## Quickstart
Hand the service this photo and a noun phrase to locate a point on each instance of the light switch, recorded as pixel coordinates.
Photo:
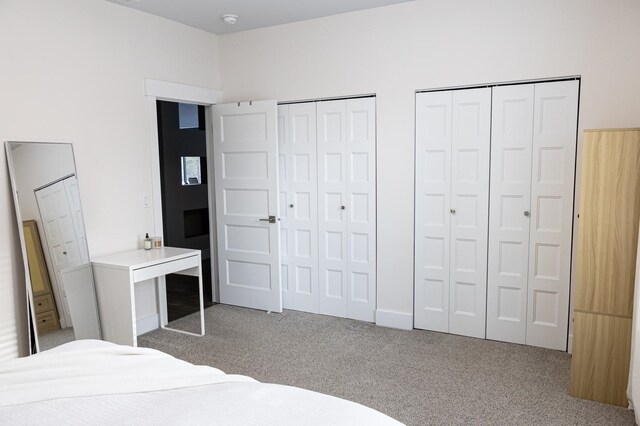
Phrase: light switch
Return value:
(145, 201)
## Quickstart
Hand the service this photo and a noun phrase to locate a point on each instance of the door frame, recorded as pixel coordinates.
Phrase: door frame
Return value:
(157, 90)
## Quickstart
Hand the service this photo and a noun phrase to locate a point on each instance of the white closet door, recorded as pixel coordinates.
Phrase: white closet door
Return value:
(510, 195)
(332, 200)
(361, 207)
(245, 153)
(303, 207)
(471, 134)
(284, 176)
(433, 187)
(554, 149)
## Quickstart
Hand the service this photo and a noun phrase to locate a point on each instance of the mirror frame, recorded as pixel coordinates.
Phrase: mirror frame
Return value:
(34, 344)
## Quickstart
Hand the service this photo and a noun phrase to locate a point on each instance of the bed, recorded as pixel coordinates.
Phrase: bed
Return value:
(95, 382)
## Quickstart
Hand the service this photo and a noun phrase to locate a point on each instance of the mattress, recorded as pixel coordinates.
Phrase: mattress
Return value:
(95, 382)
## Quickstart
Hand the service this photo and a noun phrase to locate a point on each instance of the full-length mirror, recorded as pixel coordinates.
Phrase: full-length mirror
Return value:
(60, 284)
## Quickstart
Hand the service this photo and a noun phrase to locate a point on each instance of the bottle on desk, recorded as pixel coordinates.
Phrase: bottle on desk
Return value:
(147, 242)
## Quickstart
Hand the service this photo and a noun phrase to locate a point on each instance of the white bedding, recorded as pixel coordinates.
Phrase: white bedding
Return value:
(93, 382)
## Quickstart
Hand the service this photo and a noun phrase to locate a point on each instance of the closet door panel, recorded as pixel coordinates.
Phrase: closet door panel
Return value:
(361, 208)
(471, 133)
(510, 195)
(332, 200)
(553, 172)
(432, 221)
(303, 206)
(284, 173)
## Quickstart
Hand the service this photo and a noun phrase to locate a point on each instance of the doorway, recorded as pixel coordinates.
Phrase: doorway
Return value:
(182, 147)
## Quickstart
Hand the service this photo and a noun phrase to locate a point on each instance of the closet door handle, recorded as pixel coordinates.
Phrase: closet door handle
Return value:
(342, 207)
(453, 211)
(270, 219)
(291, 205)
(526, 213)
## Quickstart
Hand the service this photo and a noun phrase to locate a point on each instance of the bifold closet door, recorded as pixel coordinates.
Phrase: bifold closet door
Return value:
(298, 206)
(346, 202)
(452, 180)
(555, 121)
(530, 226)
(511, 142)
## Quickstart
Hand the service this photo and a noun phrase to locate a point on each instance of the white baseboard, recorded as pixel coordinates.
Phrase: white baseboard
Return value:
(394, 319)
(146, 324)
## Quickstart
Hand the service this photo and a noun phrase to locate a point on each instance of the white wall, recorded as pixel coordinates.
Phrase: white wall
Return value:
(393, 51)
(73, 71)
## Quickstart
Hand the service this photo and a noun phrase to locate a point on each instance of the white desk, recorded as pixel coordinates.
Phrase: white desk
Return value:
(116, 275)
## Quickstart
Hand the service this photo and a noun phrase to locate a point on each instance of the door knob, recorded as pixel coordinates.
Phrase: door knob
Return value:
(64, 252)
(291, 205)
(526, 213)
(453, 211)
(342, 207)
(270, 219)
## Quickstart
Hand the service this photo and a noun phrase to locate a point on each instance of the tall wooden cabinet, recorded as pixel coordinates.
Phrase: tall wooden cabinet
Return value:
(43, 301)
(607, 247)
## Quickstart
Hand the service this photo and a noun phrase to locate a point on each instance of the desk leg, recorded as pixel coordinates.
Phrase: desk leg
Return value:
(192, 272)
(161, 287)
(201, 297)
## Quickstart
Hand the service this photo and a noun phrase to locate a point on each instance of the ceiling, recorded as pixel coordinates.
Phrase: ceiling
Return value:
(207, 14)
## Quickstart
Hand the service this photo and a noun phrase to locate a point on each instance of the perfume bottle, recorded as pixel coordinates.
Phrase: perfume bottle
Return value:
(147, 242)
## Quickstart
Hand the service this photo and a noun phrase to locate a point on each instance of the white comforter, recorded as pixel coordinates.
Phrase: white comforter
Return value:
(93, 382)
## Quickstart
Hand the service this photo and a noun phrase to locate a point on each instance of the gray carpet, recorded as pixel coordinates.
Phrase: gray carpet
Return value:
(55, 338)
(417, 377)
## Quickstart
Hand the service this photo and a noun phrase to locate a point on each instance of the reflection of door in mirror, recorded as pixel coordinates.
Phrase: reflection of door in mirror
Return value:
(43, 302)
(62, 234)
(43, 176)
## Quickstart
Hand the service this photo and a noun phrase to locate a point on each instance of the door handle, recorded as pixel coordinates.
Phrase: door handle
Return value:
(453, 211)
(270, 219)
(64, 252)
(526, 213)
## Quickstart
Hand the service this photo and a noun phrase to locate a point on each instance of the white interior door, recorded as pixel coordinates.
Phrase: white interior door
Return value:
(332, 200)
(62, 242)
(245, 155)
(471, 138)
(554, 148)
(433, 193)
(510, 195)
(361, 207)
(299, 205)
(73, 195)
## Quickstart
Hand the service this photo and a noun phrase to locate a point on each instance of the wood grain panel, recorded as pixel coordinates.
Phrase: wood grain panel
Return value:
(601, 354)
(609, 213)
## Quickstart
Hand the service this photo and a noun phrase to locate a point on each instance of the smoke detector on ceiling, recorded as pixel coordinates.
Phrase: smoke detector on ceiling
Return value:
(230, 19)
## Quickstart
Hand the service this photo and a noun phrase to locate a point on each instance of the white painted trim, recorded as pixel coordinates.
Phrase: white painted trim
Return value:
(147, 324)
(177, 92)
(401, 320)
(167, 91)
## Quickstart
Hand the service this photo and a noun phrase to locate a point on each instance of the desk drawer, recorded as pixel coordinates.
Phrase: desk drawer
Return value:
(162, 269)
(43, 303)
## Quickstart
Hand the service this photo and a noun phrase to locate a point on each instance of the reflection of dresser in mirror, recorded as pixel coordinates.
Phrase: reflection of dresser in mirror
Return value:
(43, 302)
